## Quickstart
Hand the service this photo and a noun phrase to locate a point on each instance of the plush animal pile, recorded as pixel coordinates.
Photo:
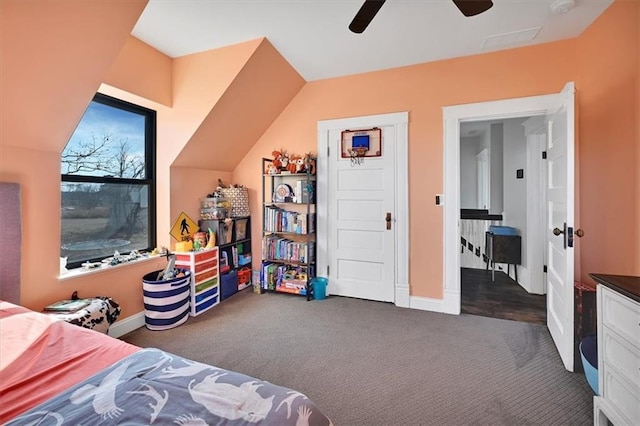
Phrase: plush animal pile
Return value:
(283, 162)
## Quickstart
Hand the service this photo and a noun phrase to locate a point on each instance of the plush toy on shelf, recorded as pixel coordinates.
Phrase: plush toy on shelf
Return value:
(310, 162)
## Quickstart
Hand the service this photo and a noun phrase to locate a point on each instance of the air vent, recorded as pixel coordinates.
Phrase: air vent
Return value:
(506, 39)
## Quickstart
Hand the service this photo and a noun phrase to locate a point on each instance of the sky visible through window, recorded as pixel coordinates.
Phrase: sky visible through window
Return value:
(100, 121)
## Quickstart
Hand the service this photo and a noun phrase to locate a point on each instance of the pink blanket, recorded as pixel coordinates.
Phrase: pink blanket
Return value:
(41, 356)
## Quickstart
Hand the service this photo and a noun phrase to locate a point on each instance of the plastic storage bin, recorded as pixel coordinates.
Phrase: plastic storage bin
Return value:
(229, 284)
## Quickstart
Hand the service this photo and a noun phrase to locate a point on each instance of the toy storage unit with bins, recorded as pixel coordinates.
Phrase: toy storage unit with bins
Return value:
(233, 240)
(205, 284)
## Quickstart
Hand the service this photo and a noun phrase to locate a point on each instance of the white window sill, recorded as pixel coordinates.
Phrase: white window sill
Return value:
(83, 272)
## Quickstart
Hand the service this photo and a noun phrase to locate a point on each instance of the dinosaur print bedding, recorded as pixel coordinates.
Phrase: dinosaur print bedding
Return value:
(155, 387)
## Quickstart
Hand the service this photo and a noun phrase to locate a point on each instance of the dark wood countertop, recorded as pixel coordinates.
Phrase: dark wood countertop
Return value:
(624, 284)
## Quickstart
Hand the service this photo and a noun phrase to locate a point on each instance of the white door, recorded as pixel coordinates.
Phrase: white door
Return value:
(560, 217)
(361, 251)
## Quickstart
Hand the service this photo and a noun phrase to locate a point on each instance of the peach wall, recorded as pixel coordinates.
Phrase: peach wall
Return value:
(189, 186)
(142, 70)
(607, 82)
(257, 95)
(54, 56)
(422, 90)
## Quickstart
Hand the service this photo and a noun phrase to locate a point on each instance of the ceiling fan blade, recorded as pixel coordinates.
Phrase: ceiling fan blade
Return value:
(473, 7)
(364, 16)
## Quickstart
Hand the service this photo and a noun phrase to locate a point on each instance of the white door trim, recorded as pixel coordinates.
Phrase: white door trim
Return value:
(400, 120)
(452, 117)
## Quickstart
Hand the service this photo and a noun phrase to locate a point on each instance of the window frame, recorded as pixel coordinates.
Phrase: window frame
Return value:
(149, 179)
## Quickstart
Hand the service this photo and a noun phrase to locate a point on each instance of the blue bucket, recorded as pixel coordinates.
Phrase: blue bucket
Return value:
(319, 288)
(589, 353)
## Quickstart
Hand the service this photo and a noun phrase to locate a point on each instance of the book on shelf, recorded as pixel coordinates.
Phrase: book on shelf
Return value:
(305, 191)
(277, 219)
(68, 305)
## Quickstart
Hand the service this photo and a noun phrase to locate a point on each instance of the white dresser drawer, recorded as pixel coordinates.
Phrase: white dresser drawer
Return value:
(620, 314)
(622, 357)
(618, 392)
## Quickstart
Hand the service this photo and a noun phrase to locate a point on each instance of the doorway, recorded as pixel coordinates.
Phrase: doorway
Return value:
(497, 162)
(559, 112)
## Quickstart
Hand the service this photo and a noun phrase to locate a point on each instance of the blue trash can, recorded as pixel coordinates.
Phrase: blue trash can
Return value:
(589, 354)
(319, 288)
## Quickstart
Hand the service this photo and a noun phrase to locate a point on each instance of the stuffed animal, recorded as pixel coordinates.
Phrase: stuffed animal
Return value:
(272, 169)
(310, 161)
(293, 163)
(284, 162)
(300, 165)
(277, 159)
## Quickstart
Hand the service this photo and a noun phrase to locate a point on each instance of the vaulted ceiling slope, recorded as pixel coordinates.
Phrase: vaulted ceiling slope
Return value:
(54, 57)
(265, 84)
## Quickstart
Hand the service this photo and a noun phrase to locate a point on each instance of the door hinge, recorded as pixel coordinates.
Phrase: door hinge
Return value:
(544, 268)
(327, 270)
(544, 155)
(327, 150)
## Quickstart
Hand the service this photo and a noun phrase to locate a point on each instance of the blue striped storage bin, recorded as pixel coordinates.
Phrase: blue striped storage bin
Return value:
(166, 302)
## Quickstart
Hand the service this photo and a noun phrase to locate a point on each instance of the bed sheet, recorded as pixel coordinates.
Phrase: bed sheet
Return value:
(41, 356)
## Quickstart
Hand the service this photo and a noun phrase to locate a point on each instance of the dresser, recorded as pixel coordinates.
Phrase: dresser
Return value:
(618, 311)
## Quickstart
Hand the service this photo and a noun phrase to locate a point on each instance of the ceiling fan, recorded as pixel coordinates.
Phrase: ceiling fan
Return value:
(371, 7)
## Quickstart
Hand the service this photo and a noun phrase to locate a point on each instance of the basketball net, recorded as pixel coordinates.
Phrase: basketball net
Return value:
(357, 156)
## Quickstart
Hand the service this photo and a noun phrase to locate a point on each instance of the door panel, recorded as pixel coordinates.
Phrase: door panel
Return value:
(361, 251)
(560, 214)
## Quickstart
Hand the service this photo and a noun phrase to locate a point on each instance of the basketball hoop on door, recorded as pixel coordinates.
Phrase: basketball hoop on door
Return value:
(358, 144)
(357, 155)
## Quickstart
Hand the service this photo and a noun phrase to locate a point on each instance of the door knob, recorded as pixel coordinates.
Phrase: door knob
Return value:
(557, 231)
(579, 233)
(388, 219)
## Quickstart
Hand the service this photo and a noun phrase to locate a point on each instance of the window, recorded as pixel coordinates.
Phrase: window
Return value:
(108, 182)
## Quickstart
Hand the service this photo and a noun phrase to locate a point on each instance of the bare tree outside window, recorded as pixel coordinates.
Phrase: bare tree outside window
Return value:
(108, 182)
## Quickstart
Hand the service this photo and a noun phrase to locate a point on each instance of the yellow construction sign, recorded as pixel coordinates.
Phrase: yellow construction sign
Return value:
(184, 228)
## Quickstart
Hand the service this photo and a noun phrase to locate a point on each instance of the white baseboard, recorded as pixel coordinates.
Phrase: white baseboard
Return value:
(402, 298)
(127, 325)
(426, 304)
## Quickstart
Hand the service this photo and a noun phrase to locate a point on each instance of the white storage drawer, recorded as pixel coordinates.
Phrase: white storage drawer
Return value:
(621, 356)
(620, 394)
(622, 315)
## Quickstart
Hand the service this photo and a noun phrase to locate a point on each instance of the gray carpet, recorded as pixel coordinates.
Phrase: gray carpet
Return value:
(371, 363)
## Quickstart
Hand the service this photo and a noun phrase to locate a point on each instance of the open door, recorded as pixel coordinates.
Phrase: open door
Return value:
(560, 218)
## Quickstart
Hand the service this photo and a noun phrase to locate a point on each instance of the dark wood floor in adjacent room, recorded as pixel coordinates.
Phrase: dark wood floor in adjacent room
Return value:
(502, 298)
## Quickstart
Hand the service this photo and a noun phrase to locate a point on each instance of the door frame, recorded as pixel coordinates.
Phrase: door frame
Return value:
(400, 121)
(452, 117)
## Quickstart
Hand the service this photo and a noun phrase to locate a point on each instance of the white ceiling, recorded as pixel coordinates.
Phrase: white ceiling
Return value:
(313, 35)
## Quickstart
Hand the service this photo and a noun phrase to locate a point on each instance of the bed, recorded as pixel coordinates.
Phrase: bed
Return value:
(52, 372)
